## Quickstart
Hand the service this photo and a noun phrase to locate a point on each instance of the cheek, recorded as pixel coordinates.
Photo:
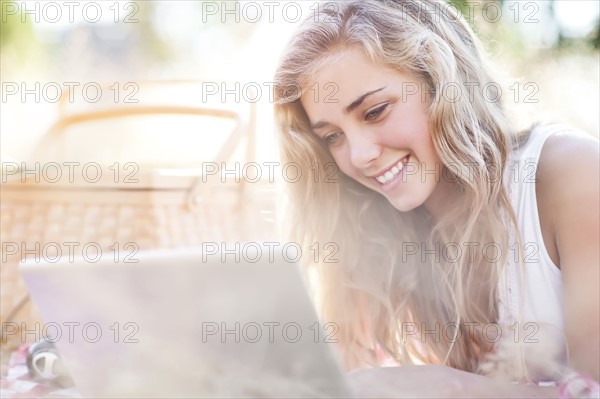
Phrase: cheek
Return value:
(411, 137)
(423, 144)
(411, 131)
(341, 156)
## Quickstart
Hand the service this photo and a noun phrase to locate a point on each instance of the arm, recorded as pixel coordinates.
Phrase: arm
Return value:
(433, 381)
(569, 178)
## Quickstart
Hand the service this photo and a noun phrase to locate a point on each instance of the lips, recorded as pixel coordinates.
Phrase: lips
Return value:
(390, 174)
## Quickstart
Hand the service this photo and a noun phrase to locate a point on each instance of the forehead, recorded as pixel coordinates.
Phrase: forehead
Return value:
(343, 68)
(346, 75)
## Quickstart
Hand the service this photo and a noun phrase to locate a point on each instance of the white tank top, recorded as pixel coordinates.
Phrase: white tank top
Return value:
(531, 306)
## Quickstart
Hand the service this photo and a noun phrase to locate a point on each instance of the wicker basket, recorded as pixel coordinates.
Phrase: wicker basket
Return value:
(158, 207)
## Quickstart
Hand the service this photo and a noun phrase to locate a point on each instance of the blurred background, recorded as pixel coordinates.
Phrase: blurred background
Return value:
(545, 53)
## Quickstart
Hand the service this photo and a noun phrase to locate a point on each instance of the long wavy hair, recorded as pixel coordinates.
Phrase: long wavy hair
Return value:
(430, 307)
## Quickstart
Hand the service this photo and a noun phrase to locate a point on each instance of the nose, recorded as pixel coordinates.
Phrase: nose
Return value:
(364, 149)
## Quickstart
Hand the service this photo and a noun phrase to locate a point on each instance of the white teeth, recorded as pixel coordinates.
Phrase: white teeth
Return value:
(390, 174)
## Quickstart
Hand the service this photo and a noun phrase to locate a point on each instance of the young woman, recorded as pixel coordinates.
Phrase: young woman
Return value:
(457, 247)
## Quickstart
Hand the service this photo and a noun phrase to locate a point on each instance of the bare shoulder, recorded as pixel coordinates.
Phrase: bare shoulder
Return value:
(569, 164)
(568, 178)
(583, 147)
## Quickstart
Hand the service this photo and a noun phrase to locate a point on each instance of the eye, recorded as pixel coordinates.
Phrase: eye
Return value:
(332, 138)
(376, 112)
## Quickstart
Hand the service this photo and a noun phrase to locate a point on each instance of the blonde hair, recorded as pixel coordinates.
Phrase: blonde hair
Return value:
(368, 287)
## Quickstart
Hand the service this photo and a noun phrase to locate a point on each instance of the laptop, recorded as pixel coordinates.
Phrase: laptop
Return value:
(186, 323)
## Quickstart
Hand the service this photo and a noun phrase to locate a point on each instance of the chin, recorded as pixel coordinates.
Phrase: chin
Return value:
(403, 205)
(409, 202)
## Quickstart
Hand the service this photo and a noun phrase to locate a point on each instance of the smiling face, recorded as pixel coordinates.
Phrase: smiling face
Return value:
(377, 133)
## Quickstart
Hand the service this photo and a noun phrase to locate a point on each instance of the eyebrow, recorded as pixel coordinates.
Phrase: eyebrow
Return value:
(355, 104)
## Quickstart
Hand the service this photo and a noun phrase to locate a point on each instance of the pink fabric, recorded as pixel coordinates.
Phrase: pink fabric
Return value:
(17, 383)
